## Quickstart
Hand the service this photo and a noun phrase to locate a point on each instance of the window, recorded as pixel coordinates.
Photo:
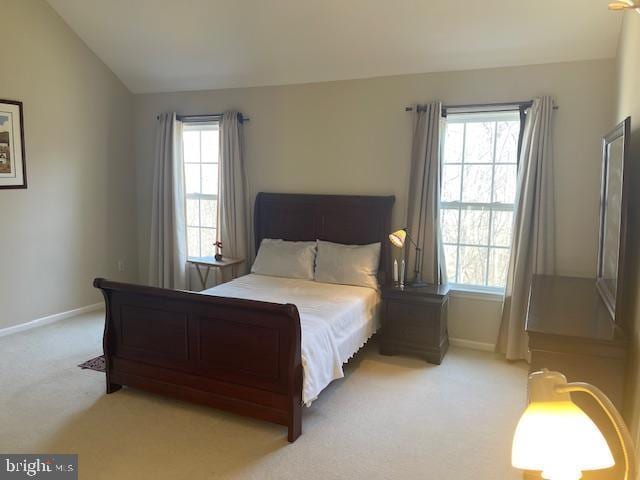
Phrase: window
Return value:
(479, 173)
(200, 149)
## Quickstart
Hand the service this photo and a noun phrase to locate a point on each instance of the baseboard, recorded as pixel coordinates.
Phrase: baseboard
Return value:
(56, 317)
(461, 342)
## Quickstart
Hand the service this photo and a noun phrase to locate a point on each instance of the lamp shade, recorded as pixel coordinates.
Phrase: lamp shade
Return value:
(618, 5)
(559, 439)
(622, 5)
(398, 237)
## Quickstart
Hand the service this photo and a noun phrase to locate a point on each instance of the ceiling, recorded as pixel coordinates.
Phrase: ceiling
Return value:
(169, 45)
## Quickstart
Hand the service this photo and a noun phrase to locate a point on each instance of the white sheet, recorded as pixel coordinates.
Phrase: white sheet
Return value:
(336, 320)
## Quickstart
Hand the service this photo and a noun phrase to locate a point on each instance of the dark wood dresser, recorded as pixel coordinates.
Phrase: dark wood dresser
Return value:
(571, 331)
(414, 322)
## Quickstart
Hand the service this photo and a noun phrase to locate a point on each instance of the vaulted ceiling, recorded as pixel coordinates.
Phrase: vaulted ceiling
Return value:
(170, 45)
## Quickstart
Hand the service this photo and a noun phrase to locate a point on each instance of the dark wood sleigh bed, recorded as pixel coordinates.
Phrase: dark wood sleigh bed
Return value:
(238, 355)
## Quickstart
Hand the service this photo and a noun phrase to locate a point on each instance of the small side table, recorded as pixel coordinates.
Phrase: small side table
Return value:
(207, 263)
(414, 322)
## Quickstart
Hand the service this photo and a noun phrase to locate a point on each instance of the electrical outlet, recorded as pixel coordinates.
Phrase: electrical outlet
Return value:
(121, 265)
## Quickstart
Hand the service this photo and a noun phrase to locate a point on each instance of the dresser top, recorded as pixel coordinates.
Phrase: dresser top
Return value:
(570, 307)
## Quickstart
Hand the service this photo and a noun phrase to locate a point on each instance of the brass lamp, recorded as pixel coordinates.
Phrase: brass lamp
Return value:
(556, 437)
(398, 239)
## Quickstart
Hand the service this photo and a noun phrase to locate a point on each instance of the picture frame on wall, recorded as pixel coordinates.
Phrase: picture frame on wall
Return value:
(13, 166)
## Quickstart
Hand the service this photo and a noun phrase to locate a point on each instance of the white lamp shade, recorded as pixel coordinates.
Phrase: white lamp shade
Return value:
(618, 5)
(621, 5)
(398, 237)
(559, 439)
(624, 5)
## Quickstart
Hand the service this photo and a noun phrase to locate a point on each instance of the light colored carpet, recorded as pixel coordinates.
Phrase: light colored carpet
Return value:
(391, 417)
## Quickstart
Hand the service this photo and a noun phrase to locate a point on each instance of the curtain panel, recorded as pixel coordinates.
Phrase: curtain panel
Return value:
(234, 213)
(423, 215)
(168, 245)
(533, 245)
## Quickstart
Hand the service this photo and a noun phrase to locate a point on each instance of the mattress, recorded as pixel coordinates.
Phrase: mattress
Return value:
(336, 320)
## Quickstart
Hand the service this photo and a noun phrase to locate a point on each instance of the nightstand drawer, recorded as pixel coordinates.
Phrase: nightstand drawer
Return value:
(408, 321)
(412, 312)
(407, 331)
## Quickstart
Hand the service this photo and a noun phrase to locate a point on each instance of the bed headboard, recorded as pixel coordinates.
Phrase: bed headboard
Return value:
(349, 219)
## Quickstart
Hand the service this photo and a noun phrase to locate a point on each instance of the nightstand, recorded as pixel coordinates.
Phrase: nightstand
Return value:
(414, 322)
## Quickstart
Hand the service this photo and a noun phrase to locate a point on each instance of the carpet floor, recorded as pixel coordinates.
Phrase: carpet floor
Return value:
(389, 418)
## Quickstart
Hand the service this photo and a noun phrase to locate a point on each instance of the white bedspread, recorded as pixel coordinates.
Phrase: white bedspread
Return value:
(336, 320)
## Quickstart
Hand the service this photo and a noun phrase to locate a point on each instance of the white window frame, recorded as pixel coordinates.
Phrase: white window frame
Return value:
(215, 125)
(493, 116)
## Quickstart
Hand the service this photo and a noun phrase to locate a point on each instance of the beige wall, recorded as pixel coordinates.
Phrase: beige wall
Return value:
(355, 137)
(474, 319)
(628, 103)
(75, 220)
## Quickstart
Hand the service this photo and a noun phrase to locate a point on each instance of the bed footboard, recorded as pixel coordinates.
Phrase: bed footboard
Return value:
(237, 355)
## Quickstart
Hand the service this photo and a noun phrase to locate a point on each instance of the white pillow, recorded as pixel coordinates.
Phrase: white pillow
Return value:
(280, 258)
(347, 264)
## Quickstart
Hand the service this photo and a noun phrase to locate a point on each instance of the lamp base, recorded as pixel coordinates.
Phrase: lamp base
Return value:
(417, 284)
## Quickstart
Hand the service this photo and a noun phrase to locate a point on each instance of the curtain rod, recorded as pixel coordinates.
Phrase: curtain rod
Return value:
(205, 117)
(480, 105)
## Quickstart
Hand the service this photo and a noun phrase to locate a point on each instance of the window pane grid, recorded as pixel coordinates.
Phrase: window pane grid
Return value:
(200, 155)
(481, 163)
(479, 205)
(493, 178)
(464, 144)
(477, 227)
(483, 245)
(202, 196)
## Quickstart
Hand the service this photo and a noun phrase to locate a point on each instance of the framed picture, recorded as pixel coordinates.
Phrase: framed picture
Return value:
(13, 167)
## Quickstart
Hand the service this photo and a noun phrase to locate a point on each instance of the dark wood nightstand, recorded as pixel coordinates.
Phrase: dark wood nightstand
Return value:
(414, 322)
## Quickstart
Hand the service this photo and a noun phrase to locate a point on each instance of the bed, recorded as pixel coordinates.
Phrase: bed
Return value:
(336, 321)
(239, 347)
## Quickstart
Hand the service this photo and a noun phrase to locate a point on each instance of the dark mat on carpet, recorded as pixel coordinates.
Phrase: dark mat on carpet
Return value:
(96, 364)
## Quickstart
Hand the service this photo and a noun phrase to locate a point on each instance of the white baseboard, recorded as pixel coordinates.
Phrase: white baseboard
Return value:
(56, 317)
(460, 342)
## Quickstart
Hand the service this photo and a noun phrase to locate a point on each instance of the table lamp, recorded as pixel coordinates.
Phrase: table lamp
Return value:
(398, 238)
(557, 437)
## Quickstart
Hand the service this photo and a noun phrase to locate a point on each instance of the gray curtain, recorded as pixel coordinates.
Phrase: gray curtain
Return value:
(168, 246)
(423, 216)
(533, 246)
(233, 205)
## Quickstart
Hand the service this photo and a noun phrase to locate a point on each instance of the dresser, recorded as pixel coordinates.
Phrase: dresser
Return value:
(571, 331)
(414, 322)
